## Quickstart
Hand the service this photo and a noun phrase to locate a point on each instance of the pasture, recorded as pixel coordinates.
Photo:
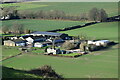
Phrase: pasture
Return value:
(9, 51)
(100, 64)
(72, 8)
(42, 25)
(23, 6)
(107, 30)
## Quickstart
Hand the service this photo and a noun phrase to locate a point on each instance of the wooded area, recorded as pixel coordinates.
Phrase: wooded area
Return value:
(94, 14)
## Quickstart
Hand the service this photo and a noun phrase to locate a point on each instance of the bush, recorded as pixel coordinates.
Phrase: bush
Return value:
(105, 45)
(46, 71)
(92, 47)
(68, 45)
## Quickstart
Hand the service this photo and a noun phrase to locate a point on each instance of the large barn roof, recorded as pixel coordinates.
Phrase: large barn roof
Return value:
(47, 33)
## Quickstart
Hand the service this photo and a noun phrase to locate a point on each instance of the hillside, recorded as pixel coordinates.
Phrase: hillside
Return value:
(72, 8)
(107, 30)
(42, 25)
(97, 64)
(12, 73)
(100, 64)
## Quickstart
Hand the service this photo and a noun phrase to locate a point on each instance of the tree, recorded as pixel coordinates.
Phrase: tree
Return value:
(68, 45)
(27, 31)
(98, 15)
(103, 15)
(46, 71)
(18, 28)
(83, 16)
(11, 11)
(5, 29)
(83, 46)
(93, 14)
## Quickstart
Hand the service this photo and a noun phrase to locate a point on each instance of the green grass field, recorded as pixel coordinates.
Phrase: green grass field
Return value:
(9, 51)
(74, 8)
(100, 64)
(107, 30)
(71, 54)
(42, 25)
(22, 6)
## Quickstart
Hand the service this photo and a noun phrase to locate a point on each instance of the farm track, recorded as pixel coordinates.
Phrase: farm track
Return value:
(11, 56)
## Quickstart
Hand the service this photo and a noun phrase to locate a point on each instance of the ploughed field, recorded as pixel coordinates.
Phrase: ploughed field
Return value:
(73, 8)
(98, 64)
(42, 25)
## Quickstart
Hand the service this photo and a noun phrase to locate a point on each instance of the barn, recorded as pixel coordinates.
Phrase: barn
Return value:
(49, 34)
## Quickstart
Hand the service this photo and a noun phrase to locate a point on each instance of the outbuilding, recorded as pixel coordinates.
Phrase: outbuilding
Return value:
(42, 44)
(9, 43)
(16, 42)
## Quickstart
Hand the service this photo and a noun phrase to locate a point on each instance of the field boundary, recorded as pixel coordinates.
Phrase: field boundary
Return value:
(74, 27)
(11, 57)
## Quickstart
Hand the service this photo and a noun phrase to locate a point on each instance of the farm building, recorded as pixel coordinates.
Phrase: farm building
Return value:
(99, 42)
(49, 34)
(42, 44)
(53, 51)
(35, 39)
(17, 42)
(9, 43)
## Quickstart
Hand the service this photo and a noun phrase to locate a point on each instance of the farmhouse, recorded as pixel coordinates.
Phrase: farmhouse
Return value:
(49, 34)
(9, 43)
(53, 51)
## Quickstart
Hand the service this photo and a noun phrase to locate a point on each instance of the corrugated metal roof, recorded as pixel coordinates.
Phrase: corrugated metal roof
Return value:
(47, 33)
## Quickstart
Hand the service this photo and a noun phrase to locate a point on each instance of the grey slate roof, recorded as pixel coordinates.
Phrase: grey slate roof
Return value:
(47, 33)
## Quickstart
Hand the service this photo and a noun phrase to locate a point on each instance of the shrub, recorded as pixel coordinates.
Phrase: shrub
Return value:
(105, 45)
(92, 47)
(46, 71)
(68, 45)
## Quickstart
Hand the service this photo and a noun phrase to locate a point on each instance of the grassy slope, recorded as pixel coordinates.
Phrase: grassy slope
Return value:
(23, 6)
(42, 25)
(11, 73)
(9, 51)
(100, 64)
(107, 30)
(69, 7)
